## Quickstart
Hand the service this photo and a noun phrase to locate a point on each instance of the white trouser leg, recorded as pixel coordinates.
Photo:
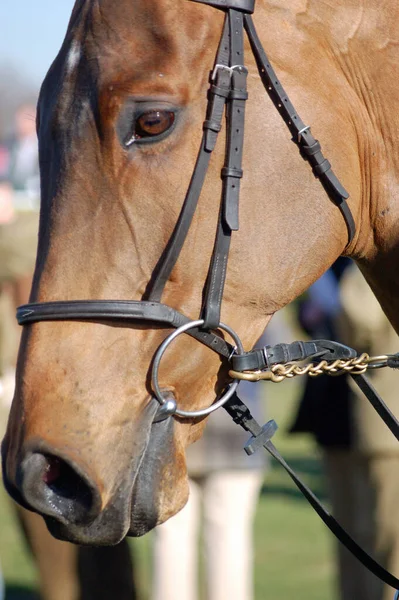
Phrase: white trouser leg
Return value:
(230, 500)
(176, 552)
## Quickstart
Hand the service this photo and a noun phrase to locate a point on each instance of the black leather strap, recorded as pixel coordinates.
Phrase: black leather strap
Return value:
(245, 6)
(130, 311)
(231, 172)
(261, 436)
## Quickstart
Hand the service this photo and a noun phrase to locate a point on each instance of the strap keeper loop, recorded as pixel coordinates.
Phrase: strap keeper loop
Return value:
(322, 168)
(231, 172)
(219, 91)
(311, 150)
(212, 125)
(238, 95)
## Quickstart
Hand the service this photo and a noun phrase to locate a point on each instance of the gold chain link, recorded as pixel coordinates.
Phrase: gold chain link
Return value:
(279, 372)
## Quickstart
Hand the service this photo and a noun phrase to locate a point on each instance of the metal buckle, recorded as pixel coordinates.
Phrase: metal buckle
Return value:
(226, 68)
(302, 131)
(165, 412)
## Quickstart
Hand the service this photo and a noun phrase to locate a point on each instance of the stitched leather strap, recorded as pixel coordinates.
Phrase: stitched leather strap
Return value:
(264, 358)
(129, 311)
(231, 172)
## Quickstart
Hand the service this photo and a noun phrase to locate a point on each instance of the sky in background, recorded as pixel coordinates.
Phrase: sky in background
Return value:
(31, 33)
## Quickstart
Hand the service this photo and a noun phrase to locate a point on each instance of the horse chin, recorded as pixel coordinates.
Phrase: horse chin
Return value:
(161, 486)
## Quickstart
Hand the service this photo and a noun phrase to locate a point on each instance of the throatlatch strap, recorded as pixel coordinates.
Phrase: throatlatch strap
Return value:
(309, 147)
(261, 436)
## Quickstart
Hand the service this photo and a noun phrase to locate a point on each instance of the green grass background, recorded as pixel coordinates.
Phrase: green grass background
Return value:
(293, 549)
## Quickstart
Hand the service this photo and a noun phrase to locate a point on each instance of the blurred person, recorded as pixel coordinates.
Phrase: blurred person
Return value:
(366, 479)
(360, 454)
(225, 485)
(19, 205)
(327, 419)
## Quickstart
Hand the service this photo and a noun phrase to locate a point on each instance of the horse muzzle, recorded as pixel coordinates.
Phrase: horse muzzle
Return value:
(70, 497)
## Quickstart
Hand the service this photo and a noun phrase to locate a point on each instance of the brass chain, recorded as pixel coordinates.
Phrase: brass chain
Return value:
(279, 372)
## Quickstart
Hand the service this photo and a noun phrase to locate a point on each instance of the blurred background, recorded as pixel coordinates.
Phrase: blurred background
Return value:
(294, 556)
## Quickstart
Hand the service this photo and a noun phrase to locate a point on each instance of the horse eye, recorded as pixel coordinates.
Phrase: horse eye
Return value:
(151, 124)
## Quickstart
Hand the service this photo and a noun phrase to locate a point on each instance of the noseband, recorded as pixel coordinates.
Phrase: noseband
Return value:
(227, 94)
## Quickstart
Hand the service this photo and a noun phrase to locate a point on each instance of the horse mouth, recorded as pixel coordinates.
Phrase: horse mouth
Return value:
(134, 508)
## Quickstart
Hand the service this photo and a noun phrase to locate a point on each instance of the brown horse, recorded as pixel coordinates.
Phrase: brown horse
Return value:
(119, 121)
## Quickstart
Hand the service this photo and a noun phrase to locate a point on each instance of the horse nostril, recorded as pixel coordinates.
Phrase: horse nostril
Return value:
(58, 489)
(53, 470)
(66, 483)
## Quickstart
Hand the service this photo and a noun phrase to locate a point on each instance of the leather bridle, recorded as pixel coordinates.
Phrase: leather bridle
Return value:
(228, 93)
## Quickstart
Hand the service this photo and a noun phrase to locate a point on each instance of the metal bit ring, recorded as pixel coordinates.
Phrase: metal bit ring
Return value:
(157, 360)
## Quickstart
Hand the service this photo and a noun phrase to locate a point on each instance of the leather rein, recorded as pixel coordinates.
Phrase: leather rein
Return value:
(227, 95)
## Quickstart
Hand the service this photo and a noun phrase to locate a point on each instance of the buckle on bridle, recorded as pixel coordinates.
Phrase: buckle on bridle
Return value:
(226, 68)
(302, 131)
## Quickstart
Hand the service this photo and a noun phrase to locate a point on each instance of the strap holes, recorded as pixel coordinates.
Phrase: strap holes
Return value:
(237, 131)
(233, 186)
(236, 149)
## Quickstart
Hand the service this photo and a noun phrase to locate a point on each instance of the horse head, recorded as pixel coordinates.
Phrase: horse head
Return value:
(119, 122)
